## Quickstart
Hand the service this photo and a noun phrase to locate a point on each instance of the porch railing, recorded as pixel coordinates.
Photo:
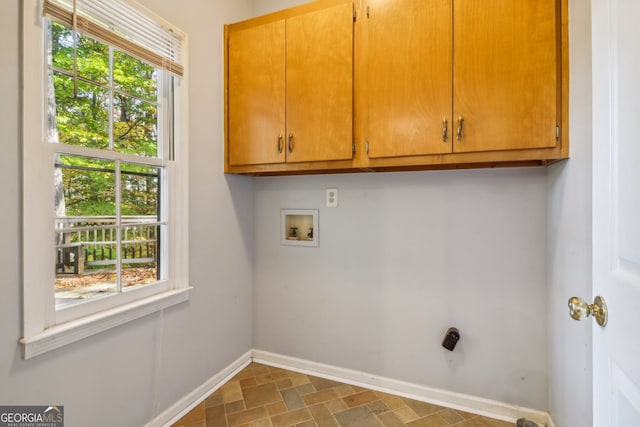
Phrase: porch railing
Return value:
(91, 242)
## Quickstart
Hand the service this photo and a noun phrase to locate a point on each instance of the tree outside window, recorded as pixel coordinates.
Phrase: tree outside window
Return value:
(108, 211)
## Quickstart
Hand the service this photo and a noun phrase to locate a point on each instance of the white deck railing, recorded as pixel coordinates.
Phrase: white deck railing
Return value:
(92, 241)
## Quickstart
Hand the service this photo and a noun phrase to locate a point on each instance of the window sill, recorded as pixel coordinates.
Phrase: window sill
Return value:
(75, 330)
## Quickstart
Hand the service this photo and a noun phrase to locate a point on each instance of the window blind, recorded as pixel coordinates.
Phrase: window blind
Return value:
(125, 26)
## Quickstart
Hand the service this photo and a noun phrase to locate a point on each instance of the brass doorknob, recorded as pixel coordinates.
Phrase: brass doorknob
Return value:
(579, 309)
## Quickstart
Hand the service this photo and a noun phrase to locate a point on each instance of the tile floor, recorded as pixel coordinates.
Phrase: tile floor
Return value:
(264, 396)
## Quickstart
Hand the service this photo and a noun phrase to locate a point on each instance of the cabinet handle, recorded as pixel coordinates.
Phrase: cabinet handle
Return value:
(280, 143)
(445, 130)
(290, 143)
(459, 133)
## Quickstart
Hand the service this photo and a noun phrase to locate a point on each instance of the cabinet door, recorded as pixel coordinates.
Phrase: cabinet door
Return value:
(505, 74)
(320, 84)
(256, 84)
(409, 77)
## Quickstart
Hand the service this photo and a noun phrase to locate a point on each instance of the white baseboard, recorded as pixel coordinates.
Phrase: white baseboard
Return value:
(463, 402)
(194, 398)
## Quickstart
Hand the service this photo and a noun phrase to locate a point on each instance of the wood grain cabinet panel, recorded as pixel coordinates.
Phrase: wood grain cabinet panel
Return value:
(256, 94)
(395, 85)
(320, 84)
(505, 74)
(290, 87)
(409, 77)
(458, 76)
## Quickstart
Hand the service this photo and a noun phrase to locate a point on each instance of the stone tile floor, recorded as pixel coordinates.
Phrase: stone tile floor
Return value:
(264, 396)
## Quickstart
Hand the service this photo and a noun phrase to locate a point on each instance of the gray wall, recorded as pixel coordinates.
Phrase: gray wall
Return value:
(399, 283)
(405, 256)
(568, 260)
(261, 7)
(569, 254)
(129, 374)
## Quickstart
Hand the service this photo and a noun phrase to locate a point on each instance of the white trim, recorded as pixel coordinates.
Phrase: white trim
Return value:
(449, 399)
(75, 330)
(109, 300)
(200, 393)
(38, 299)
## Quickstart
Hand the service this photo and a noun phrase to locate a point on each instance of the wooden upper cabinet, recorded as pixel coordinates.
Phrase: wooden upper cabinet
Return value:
(320, 84)
(404, 85)
(409, 77)
(290, 87)
(457, 76)
(506, 60)
(256, 94)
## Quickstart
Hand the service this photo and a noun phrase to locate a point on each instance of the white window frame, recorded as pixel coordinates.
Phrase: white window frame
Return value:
(44, 328)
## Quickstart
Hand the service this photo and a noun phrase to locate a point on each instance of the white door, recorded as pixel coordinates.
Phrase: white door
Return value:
(616, 210)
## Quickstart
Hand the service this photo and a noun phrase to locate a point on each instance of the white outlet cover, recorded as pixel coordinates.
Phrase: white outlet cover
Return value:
(332, 197)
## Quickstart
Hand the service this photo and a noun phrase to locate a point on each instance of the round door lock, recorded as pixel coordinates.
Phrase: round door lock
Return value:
(579, 309)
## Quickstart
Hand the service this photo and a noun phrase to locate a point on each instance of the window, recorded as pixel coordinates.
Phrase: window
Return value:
(105, 179)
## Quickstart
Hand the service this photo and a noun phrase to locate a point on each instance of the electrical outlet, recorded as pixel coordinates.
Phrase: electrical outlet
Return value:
(332, 197)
